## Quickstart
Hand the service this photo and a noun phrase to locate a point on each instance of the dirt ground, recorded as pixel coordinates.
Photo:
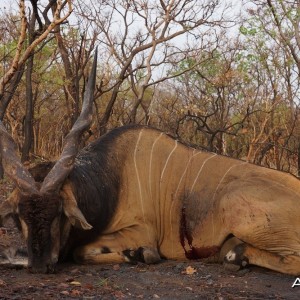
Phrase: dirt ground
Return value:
(166, 280)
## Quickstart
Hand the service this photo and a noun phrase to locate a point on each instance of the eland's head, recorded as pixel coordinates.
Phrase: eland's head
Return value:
(42, 208)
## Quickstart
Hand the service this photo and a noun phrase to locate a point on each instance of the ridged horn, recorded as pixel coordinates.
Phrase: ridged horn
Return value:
(12, 164)
(65, 163)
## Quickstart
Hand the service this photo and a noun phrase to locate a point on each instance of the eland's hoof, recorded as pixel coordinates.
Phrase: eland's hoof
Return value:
(235, 259)
(142, 254)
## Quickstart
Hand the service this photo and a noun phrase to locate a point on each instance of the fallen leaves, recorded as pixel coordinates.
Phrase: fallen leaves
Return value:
(189, 271)
(3, 231)
(63, 285)
(68, 288)
(77, 283)
(116, 267)
(2, 282)
(65, 293)
(75, 293)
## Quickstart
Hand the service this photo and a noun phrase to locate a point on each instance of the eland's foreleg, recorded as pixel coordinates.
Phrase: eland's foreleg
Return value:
(118, 247)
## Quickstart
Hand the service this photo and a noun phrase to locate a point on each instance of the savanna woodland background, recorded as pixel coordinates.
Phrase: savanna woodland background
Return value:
(223, 75)
(218, 74)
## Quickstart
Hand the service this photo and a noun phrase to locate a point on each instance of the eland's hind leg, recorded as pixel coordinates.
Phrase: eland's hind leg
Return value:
(267, 225)
(244, 254)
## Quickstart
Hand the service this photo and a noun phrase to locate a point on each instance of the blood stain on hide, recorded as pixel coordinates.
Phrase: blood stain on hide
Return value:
(193, 252)
(202, 252)
(184, 232)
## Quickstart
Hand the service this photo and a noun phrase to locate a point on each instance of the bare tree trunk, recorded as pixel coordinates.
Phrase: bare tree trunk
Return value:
(5, 99)
(28, 125)
(9, 93)
(72, 90)
(104, 120)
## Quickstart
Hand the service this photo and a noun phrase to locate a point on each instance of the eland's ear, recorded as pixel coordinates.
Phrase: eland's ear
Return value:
(76, 217)
(9, 206)
(71, 209)
(74, 214)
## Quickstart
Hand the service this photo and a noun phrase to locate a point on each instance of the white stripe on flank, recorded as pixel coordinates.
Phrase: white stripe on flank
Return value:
(164, 168)
(171, 227)
(184, 172)
(243, 163)
(150, 163)
(213, 155)
(139, 182)
(214, 195)
(175, 195)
